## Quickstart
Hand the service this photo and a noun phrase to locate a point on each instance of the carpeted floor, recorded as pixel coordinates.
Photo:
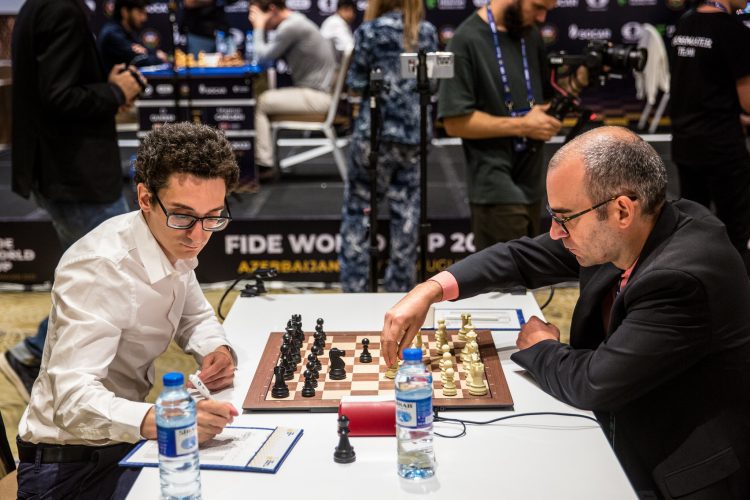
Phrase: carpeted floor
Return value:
(22, 312)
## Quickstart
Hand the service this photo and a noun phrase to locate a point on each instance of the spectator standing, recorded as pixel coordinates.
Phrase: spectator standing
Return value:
(391, 27)
(710, 89)
(64, 146)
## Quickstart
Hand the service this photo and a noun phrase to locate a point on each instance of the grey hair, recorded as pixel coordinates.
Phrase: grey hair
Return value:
(618, 162)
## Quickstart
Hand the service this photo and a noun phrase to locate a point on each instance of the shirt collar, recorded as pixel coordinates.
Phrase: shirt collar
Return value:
(155, 261)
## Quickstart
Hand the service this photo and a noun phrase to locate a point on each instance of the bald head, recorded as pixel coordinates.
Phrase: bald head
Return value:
(617, 161)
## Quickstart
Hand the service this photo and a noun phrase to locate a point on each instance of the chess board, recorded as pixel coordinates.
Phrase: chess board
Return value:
(368, 379)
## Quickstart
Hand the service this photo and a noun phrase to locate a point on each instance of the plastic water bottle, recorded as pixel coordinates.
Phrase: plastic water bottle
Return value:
(416, 459)
(250, 48)
(177, 433)
(221, 42)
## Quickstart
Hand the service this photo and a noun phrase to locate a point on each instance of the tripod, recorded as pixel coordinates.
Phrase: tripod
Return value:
(375, 87)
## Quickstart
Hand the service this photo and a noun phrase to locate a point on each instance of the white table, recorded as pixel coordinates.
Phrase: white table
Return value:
(539, 457)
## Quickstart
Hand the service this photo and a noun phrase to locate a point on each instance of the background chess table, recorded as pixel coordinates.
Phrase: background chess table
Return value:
(368, 379)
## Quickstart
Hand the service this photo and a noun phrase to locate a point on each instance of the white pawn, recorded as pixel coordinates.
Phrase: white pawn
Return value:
(440, 333)
(445, 363)
(449, 387)
(392, 370)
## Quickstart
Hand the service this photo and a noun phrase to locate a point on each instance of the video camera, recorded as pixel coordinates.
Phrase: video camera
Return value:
(603, 60)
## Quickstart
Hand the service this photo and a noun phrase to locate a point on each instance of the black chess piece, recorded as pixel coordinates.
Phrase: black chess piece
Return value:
(318, 344)
(319, 324)
(280, 390)
(344, 452)
(311, 376)
(365, 357)
(308, 390)
(314, 358)
(337, 368)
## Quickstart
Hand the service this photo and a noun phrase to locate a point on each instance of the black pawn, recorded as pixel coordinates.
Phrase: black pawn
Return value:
(318, 344)
(313, 380)
(314, 358)
(280, 390)
(344, 452)
(308, 390)
(365, 357)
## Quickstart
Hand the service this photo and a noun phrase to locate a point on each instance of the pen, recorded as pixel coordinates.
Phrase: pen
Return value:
(199, 385)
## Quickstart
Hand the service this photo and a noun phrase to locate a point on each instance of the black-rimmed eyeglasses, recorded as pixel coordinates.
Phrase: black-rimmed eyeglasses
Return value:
(564, 220)
(185, 221)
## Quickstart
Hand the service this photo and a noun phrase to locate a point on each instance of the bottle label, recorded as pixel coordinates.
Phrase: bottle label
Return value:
(414, 414)
(177, 441)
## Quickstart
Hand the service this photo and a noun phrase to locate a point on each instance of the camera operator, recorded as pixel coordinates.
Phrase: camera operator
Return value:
(710, 89)
(64, 148)
(497, 115)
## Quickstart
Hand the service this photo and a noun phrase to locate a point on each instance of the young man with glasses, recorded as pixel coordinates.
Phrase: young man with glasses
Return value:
(121, 294)
(660, 337)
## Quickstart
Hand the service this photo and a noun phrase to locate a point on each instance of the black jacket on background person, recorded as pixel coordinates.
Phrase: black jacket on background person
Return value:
(64, 138)
(669, 379)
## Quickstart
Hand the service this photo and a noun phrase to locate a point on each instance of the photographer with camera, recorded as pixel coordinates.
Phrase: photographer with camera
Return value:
(710, 89)
(391, 27)
(493, 104)
(64, 149)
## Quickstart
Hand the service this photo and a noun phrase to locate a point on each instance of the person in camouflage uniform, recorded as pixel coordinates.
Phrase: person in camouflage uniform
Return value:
(391, 27)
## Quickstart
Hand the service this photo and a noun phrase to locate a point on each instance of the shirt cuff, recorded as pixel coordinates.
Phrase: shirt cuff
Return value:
(448, 283)
(127, 417)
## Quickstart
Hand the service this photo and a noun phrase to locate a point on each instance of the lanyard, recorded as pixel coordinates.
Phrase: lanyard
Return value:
(507, 96)
(717, 5)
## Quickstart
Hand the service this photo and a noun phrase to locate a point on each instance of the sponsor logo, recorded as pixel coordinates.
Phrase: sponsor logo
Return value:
(480, 3)
(567, 4)
(299, 4)
(549, 34)
(151, 39)
(638, 3)
(576, 33)
(240, 7)
(157, 8)
(446, 33)
(164, 89)
(451, 4)
(597, 4)
(240, 89)
(631, 32)
(327, 6)
(204, 89)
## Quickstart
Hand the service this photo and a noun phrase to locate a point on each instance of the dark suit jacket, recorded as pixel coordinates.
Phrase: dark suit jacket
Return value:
(669, 379)
(64, 139)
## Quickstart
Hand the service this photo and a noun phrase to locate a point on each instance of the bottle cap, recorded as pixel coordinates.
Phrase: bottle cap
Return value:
(173, 379)
(412, 354)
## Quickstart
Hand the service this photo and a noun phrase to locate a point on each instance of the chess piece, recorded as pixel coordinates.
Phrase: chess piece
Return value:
(463, 331)
(308, 390)
(470, 336)
(344, 452)
(314, 358)
(449, 386)
(337, 370)
(319, 327)
(392, 370)
(311, 375)
(318, 344)
(476, 385)
(445, 363)
(365, 357)
(280, 390)
(311, 368)
(440, 334)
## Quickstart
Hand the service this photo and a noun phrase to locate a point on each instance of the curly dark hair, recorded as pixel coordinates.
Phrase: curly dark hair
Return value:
(185, 148)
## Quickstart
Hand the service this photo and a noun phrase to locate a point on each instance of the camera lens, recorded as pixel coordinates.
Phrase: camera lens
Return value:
(623, 57)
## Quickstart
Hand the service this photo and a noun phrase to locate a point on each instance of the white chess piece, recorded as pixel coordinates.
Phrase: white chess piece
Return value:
(445, 363)
(463, 330)
(449, 386)
(477, 386)
(392, 370)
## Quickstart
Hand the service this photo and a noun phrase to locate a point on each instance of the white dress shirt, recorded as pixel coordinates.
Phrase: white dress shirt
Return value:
(336, 29)
(117, 302)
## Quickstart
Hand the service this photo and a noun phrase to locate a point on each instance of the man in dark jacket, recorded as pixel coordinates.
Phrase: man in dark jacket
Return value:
(120, 40)
(660, 338)
(64, 146)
